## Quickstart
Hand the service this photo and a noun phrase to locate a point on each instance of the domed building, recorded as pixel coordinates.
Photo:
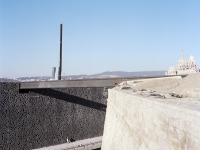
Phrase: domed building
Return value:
(182, 63)
(171, 70)
(192, 62)
(183, 66)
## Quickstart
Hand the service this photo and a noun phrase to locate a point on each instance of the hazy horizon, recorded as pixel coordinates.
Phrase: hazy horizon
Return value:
(97, 35)
(50, 74)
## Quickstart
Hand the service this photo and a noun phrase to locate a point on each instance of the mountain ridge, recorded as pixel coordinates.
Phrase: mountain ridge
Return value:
(106, 74)
(111, 74)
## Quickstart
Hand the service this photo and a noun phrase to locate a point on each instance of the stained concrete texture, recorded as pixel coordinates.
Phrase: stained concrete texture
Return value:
(141, 122)
(43, 117)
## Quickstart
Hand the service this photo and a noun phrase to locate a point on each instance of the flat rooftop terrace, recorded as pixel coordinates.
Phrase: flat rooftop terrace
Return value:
(106, 82)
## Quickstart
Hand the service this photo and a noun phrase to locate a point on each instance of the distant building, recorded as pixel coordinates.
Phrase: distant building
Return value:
(53, 73)
(183, 66)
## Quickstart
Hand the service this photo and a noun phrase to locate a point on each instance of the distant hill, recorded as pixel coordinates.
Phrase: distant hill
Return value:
(107, 74)
(130, 74)
(112, 74)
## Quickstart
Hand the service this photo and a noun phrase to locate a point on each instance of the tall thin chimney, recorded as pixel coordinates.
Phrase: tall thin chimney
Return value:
(60, 67)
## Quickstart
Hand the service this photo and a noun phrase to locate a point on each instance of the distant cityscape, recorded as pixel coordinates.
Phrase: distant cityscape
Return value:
(108, 74)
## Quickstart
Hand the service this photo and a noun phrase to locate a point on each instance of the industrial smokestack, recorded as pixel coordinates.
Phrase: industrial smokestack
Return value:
(60, 67)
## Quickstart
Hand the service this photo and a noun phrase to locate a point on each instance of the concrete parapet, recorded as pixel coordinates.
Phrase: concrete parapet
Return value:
(135, 122)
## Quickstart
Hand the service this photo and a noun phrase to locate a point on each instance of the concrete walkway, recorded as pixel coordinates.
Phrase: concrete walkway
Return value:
(87, 144)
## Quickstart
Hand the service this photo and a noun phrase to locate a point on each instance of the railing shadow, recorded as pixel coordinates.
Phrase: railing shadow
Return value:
(70, 98)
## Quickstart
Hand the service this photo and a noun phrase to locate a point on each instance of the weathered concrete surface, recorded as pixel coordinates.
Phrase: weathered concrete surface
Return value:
(134, 122)
(42, 117)
(191, 93)
(172, 85)
(86, 144)
(102, 82)
(131, 82)
(71, 83)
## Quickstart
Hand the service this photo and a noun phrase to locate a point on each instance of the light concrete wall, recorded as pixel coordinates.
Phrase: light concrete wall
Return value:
(139, 123)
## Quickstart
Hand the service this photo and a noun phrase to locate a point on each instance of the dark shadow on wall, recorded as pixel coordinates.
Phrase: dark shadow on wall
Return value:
(37, 118)
(71, 98)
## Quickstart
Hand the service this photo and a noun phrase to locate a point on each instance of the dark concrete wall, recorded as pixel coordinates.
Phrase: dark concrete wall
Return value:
(42, 117)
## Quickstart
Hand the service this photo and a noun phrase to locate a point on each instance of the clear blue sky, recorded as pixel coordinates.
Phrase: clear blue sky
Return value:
(98, 35)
